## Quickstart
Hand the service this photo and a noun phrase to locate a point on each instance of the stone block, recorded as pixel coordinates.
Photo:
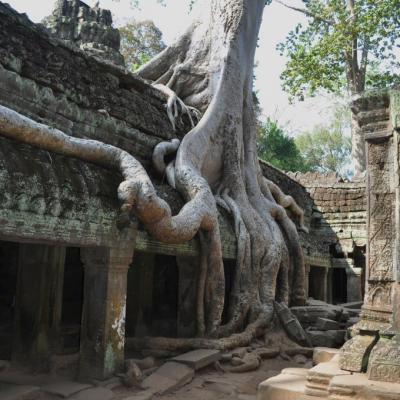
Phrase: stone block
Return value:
(198, 359)
(97, 393)
(308, 315)
(145, 395)
(324, 324)
(355, 352)
(169, 377)
(319, 377)
(330, 338)
(324, 354)
(358, 386)
(286, 386)
(65, 388)
(18, 392)
(384, 361)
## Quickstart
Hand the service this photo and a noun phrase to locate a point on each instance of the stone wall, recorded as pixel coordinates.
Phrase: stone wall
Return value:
(55, 82)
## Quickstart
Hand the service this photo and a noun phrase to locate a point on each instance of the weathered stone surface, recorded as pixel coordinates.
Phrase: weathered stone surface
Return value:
(324, 354)
(355, 353)
(65, 388)
(18, 392)
(357, 386)
(198, 359)
(324, 324)
(286, 386)
(384, 362)
(319, 377)
(145, 395)
(89, 28)
(94, 394)
(331, 338)
(308, 315)
(169, 377)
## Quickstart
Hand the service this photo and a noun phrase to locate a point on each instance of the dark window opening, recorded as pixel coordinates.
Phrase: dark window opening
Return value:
(8, 283)
(339, 286)
(72, 301)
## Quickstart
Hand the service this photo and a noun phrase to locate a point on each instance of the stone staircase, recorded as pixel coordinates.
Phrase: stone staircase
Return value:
(325, 381)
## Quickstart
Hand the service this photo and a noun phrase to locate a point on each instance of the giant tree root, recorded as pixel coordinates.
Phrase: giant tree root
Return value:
(210, 68)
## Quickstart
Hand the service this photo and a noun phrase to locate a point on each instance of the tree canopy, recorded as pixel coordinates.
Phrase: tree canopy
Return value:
(140, 42)
(346, 44)
(325, 149)
(277, 148)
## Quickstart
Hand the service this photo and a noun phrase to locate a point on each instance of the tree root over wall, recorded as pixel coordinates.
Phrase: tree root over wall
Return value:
(210, 69)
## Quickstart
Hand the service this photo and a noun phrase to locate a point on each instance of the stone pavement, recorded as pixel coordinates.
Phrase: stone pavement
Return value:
(171, 381)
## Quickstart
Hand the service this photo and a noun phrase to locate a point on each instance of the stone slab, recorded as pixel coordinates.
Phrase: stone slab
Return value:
(325, 324)
(328, 369)
(330, 338)
(358, 386)
(145, 395)
(18, 392)
(65, 388)
(282, 387)
(97, 393)
(198, 359)
(355, 353)
(295, 371)
(324, 354)
(169, 377)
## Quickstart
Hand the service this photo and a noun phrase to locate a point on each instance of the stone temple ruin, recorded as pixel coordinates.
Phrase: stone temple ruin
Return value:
(73, 285)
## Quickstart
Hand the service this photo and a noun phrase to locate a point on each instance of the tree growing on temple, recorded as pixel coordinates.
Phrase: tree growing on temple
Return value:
(207, 74)
(348, 45)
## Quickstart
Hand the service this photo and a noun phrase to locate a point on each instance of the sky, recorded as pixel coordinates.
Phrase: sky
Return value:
(175, 18)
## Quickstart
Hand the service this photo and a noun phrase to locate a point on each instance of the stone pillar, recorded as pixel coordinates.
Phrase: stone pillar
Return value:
(38, 305)
(384, 362)
(325, 284)
(307, 280)
(104, 309)
(382, 225)
(354, 284)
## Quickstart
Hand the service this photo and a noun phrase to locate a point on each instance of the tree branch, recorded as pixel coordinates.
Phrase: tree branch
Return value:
(306, 12)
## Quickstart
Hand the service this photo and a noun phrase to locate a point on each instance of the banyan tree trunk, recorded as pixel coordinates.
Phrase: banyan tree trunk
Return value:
(210, 68)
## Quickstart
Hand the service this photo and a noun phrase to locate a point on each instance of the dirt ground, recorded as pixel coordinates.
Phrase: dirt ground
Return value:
(212, 385)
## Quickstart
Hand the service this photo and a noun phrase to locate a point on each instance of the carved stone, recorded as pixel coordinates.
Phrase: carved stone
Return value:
(384, 363)
(355, 353)
(89, 28)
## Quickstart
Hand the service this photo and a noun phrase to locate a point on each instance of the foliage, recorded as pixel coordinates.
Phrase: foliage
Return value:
(140, 41)
(325, 149)
(346, 44)
(280, 150)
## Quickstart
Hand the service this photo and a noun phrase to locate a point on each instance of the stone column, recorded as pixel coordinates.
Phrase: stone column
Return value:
(104, 309)
(324, 283)
(38, 305)
(384, 363)
(307, 280)
(382, 168)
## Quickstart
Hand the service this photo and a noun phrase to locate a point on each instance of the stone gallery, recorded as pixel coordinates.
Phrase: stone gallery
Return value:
(142, 242)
